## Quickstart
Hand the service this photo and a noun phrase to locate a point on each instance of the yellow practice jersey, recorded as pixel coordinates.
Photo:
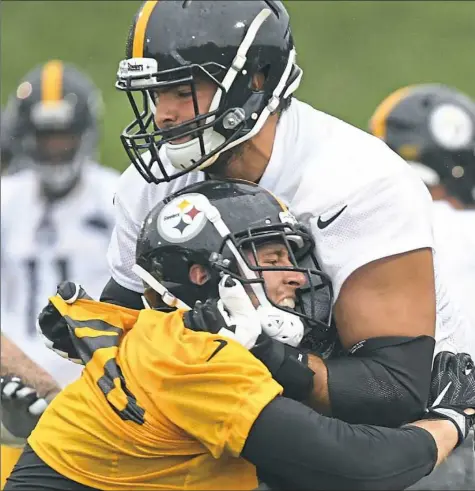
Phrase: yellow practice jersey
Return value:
(158, 406)
(8, 458)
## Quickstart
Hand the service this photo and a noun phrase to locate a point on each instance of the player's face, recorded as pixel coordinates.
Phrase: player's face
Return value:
(174, 105)
(56, 148)
(280, 286)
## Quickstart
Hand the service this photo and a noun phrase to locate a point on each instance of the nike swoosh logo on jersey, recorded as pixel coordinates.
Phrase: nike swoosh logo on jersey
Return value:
(321, 224)
(222, 344)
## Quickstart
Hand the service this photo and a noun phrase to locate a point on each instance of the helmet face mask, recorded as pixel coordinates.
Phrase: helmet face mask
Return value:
(142, 139)
(226, 235)
(249, 270)
(57, 158)
(171, 45)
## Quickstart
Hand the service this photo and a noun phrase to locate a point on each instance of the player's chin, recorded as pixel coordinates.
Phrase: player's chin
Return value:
(174, 136)
(221, 166)
(179, 141)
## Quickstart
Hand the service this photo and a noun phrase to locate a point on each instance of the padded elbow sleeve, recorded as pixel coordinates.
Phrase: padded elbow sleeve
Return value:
(383, 381)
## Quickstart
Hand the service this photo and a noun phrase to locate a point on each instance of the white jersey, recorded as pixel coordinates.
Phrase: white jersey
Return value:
(43, 245)
(321, 167)
(455, 242)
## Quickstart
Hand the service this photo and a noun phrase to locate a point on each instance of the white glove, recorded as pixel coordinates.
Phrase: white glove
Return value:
(280, 325)
(242, 321)
(232, 316)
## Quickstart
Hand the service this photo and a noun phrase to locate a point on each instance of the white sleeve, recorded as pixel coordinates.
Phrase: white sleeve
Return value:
(390, 216)
(121, 252)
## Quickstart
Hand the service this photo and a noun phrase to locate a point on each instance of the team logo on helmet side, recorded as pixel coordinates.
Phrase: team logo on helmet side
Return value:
(182, 218)
(451, 126)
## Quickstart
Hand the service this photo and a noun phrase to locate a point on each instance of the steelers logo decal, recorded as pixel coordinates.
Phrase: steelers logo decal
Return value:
(182, 218)
(451, 126)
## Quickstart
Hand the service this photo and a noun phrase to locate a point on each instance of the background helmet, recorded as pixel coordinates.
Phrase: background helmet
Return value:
(54, 117)
(224, 42)
(215, 223)
(432, 126)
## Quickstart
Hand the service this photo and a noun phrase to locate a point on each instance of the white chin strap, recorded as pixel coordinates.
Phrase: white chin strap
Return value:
(167, 297)
(183, 155)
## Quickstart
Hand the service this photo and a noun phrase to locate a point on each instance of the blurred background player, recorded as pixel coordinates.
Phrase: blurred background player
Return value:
(432, 126)
(56, 203)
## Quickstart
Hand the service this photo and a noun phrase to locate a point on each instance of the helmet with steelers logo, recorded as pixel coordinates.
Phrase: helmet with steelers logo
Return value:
(432, 126)
(220, 225)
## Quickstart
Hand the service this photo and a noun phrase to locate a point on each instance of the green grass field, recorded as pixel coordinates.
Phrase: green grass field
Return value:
(353, 52)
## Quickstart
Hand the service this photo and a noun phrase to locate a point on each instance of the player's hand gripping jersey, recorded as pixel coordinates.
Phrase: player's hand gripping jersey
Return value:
(173, 414)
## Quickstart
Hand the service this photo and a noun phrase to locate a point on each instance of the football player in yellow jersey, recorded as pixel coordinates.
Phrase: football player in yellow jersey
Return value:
(163, 405)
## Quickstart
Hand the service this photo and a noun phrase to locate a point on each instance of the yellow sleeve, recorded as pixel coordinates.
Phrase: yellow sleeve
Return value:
(217, 398)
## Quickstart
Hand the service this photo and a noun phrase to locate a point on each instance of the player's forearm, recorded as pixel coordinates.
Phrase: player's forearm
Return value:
(443, 433)
(300, 449)
(15, 362)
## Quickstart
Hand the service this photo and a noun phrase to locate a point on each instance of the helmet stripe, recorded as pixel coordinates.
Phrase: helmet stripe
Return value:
(141, 27)
(52, 81)
(279, 201)
(378, 122)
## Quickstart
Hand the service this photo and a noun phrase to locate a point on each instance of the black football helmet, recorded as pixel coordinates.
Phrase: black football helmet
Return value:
(54, 115)
(227, 43)
(216, 223)
(432, 126)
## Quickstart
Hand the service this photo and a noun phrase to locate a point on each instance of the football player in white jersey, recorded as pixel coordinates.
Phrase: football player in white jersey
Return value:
(210, 84)
(432, 126)
(57, 211)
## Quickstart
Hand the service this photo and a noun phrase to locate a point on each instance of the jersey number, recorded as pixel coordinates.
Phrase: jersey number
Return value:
(62, 268)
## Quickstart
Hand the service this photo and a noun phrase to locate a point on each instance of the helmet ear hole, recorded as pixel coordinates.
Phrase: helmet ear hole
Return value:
(258, 80)
(426, 102)
(199, 275)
